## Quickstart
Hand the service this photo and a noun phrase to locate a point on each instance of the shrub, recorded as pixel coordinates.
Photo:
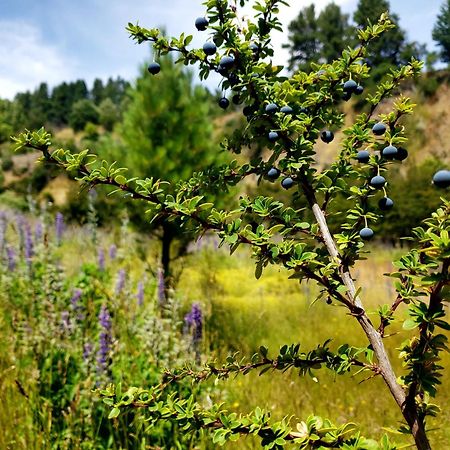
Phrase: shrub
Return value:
(290, 237)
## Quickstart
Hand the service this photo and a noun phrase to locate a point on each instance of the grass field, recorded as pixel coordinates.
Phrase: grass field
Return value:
(242, 314)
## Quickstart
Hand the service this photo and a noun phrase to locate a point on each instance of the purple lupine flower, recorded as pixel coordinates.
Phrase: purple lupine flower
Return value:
(101, 259)
(38, 231)
(76, 298)
(11, 258)
(140, 293)
(120, 283)
(59, 227)
(112, 251)
(161, 287)
(88, 348)
(28, 248)
(193, 321)
(74, 302)
(105, 339)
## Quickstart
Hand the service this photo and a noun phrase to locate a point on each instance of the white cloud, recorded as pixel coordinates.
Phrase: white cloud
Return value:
(26, 60)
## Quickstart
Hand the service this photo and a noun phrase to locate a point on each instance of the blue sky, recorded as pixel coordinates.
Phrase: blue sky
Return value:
(63, 40)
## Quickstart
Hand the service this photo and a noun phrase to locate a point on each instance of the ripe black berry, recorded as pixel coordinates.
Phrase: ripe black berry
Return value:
(201, 23)
(154, 68)
(350, 86)
(226, 62)
(363, 156)
(378, 182)
(379, 128)
(402, 154)
(224, 103)
(329, 301)
(327, 136)
(366, 233)
(236, 99)
(271, 108)
(346, 96)
(441, 178)
(287, 183)
(359, 90)
(273, 136)
(385, 203)
(209, 48)
(273, 173)
(248, 110)
(254, 47)
(389, 152)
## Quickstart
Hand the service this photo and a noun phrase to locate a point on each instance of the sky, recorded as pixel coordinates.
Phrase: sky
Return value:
(64, 40)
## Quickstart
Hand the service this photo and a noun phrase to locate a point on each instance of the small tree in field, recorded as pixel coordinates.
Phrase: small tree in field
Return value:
(292, 114)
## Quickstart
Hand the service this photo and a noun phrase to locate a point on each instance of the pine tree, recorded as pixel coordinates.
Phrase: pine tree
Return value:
(167, 132)
(334, 33)
(303, 39)
(441, 31)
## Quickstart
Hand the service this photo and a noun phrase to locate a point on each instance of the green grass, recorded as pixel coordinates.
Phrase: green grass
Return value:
(246, 313)
(243, 313)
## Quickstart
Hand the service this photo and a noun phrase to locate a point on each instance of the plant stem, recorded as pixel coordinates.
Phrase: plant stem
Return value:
(409, 409)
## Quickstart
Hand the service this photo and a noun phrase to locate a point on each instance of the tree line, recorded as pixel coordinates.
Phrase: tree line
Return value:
(67, 104)
(321, 37)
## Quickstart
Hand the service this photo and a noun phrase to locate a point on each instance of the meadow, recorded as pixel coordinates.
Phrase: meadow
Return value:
(82, 307)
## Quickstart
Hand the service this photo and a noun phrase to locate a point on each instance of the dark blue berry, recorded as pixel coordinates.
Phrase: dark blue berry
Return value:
(346, 96)
(385, 203)
(273, 136)
(287, 183)
(271, 108)
(359, 90)
(366, 233)
(378, 182)
(273, 173)
(224, 103)
(379, 128)
(254, 47)
(350, 86)
(363, 156)
(389, 152)
(201, 23)
(209, 48)
(402, 154)
(327, 136)
(441, 178)
(154, 68)
(227, 62)
(286, 110)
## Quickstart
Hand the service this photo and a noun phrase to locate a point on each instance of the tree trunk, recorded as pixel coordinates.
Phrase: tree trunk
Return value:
(409, 411)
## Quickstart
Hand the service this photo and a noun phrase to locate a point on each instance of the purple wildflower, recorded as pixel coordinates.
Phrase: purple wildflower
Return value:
(120, 283)
(28, 249)
(74, 302)
(59, 227)
(11, 258)
(194, 323)
(161, 287)
(105, 340)
(87, 351)
(140, 293)
(101, 259)
(76, 298)
(112, 251)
